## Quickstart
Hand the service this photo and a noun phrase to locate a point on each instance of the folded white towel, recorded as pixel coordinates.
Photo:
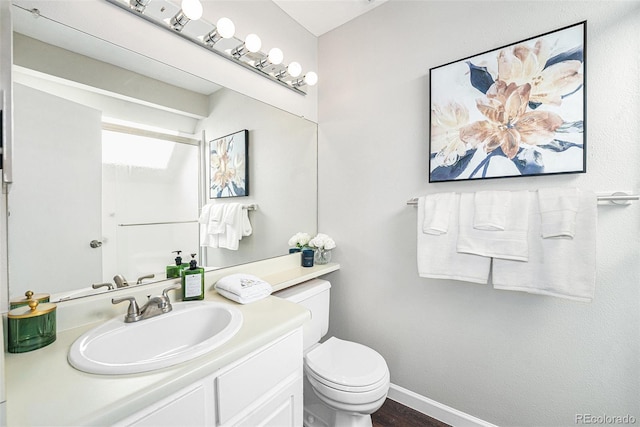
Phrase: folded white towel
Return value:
(508, 244)
(558, 208)
(438, 209)
(243, 288)
(490, 210)
(437, 255)
(563, 268)
(239, 299)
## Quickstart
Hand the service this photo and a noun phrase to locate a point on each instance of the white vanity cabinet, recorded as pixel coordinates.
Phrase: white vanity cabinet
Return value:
(261, 389)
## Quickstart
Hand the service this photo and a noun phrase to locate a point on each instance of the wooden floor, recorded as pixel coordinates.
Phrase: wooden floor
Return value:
(393, 414)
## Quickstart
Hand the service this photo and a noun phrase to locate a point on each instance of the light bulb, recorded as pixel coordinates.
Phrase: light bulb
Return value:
(226, 28)
(276, 56)
(294, 69)
(253, 43)
(192, 9)
(311, 78)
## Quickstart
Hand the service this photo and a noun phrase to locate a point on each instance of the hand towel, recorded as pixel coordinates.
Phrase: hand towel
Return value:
(243, 288)
(558, 208)
(234, 226)
(247, 229)
(564, 268)
(437, 212)
(437, 255)
(215, 224)
(490, 210)
(508, 244)
(210, 224)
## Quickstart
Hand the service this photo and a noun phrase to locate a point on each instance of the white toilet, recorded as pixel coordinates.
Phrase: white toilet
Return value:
(345, 382)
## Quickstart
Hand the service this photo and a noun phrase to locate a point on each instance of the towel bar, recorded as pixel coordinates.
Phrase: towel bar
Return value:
(615, 198)
(250, 207)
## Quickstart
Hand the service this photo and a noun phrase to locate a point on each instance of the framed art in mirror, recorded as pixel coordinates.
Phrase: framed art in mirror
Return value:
(518, 110)
(229, 165)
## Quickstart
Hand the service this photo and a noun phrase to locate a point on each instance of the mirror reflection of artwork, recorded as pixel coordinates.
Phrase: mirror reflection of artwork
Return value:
(229, 166)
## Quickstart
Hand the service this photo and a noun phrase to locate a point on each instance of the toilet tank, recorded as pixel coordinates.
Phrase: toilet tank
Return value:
(314, 295)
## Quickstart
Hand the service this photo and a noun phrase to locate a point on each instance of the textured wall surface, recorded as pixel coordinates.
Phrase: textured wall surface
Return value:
(509, 358)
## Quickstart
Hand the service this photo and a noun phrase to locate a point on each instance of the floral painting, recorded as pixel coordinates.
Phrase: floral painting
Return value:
(514, 111)
(229, 174)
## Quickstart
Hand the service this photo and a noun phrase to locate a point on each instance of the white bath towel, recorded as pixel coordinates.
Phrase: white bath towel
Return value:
(563, 268)
(508, 244)
(243, 288)
(437, 255)
(558, 208)
(438, 209)
(490, 210)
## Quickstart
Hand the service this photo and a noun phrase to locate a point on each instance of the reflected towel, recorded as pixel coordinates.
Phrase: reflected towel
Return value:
(564, 268)
(508, 244)
(210, 225)
(490, 210)
(558, 208)
(438, 210)
(437, 255)
(237, 225)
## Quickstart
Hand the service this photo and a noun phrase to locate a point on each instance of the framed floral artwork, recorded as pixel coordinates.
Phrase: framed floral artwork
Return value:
(518, 110)
(229, 175)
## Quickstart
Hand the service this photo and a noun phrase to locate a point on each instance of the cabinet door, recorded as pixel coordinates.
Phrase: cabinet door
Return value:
(282, 410)
(192, 406)
(243, 387)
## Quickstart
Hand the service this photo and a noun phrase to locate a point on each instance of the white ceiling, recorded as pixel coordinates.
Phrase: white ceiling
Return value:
(320, 16)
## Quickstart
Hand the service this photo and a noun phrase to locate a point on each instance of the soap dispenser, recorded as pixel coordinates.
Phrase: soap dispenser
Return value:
(193, 281)
(174, 271)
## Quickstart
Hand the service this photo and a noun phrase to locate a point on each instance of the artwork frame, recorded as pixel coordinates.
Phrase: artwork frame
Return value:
(514, 111)
(229, 165)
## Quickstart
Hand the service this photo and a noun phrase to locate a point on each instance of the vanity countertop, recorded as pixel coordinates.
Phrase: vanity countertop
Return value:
(43, 389)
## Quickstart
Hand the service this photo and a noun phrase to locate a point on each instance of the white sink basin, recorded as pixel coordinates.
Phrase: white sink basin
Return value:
(190, 330)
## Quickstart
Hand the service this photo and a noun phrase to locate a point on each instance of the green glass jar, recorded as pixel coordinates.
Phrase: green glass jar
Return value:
(28, 296)
(31, 327)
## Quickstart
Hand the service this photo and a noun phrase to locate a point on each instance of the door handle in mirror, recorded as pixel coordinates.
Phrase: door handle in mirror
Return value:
(95, 244)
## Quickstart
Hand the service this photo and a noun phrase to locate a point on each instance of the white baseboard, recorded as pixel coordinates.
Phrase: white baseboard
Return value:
(434, 409)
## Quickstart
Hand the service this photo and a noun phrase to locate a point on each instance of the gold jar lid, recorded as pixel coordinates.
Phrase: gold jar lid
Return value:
(29, 295)
(33, 309)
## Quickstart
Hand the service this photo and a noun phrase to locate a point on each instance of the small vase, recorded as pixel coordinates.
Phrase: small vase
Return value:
(322, 256)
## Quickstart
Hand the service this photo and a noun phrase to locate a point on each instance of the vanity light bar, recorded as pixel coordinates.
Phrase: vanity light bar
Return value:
(220, 40)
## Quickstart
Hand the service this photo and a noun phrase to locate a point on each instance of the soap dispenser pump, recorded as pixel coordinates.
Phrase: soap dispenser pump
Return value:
(193, 281)
(174, 271)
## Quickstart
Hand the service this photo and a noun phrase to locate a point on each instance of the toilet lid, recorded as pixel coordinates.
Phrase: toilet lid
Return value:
(346, 363)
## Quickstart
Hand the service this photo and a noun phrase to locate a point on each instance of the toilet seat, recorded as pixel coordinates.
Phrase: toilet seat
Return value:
(347, 366)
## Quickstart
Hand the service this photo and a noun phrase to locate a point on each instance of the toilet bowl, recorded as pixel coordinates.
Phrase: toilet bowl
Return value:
(345, 382)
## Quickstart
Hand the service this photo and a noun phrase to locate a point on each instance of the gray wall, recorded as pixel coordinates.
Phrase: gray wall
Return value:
(506, 357)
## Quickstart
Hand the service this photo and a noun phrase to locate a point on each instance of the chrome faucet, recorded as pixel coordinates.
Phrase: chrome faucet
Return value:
(121, 282)
(154, 306)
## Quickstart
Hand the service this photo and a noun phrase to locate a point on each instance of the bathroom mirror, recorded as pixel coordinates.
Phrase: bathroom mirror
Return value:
(106, 83)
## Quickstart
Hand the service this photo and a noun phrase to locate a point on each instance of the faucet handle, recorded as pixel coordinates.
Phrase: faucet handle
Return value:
(133, 312)
(165, 291)
(102, 285)
(148, 276)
